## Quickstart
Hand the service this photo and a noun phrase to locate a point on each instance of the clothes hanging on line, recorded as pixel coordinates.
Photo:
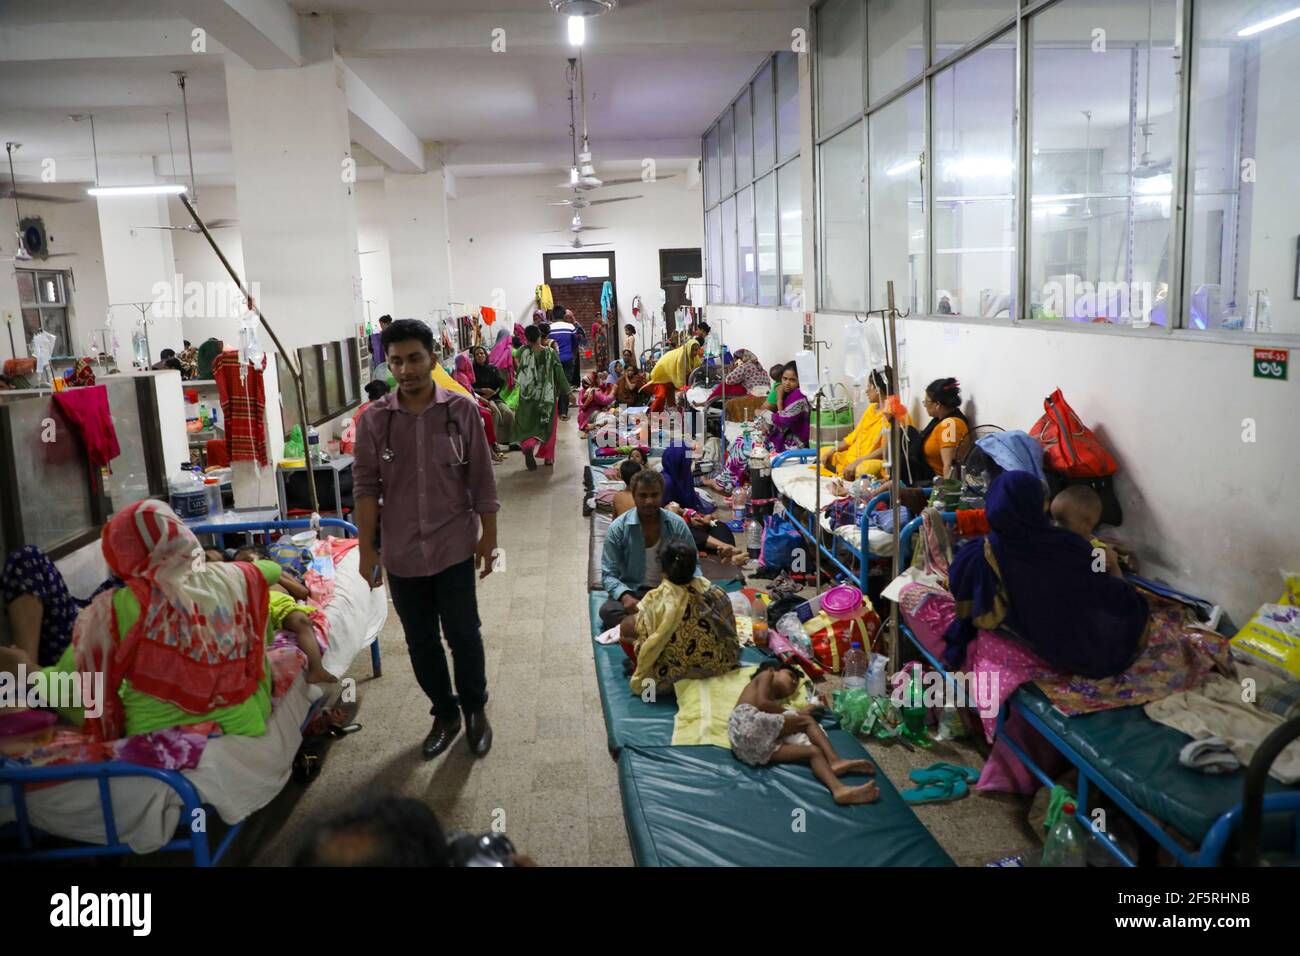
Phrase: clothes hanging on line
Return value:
(243, 405)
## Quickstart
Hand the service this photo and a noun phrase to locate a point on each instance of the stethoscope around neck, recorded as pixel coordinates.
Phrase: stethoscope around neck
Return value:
(454, 438)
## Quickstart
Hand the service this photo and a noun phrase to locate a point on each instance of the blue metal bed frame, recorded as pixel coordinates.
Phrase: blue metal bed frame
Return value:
(810, 530)
(1215, 841)
(16, 778)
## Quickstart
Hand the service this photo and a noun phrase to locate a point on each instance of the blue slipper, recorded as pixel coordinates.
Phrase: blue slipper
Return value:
(942, 771)
(938, 791)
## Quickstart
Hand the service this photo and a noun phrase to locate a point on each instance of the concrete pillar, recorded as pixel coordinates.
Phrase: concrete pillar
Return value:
(418, 244)
(295, 179)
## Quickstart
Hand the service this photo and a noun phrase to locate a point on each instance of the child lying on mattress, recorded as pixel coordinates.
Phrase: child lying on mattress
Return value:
(762, 731)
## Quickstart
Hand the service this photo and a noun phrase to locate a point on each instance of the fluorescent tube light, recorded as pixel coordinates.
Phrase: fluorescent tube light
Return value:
(152, 189)
(1270, 23)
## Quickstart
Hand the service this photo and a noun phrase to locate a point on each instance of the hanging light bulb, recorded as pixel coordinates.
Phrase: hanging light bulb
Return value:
(577, 30)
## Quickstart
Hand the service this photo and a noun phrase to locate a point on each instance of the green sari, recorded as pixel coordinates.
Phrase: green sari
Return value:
(539, 379)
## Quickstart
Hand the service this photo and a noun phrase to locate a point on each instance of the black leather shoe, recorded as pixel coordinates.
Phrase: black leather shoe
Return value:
(442, 735)
(478, 732)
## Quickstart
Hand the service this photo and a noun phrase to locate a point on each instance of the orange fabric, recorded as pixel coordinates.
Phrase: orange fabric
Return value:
(489, 315)
(971, 523)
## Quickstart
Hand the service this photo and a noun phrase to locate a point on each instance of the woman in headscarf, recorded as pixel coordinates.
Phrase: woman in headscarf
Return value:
(671, 373)
(541, 381)
(627, 390)
(464, 376)
(488, 386)
(862, 452)
(745, 377)
(183, 640)
(791, 414)
(679, 485)
(612, 371)
(1039, 583)
(594, 397)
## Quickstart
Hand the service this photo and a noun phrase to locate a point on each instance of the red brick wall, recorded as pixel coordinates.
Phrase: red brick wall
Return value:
(583, 299)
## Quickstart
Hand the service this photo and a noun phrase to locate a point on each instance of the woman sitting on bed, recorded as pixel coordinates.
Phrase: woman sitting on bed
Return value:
(791, 414)
(948, 426)
(863, 451)
(627, 390)
(594, 398)
(41, 609)
(746, 377)
(196, 633)
(1040, 584)
(684, 628)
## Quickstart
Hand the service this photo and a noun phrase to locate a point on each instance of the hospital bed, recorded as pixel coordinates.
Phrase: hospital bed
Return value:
(699, 806)
(118, 808)
(1133, 760)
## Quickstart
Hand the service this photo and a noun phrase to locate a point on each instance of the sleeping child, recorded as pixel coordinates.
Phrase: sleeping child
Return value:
(1078, 509)
(762, 730)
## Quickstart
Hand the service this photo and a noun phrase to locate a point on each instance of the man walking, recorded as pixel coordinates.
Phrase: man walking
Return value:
(423, 474)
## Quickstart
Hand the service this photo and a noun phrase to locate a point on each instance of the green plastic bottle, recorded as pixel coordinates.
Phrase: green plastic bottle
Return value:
(913, 709)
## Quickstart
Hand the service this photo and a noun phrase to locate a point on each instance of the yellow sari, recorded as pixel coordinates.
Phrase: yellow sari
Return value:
(675, 367)
(862, 441)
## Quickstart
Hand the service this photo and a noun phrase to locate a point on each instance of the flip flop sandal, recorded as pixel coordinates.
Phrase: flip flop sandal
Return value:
(943, 771)
(938, 791)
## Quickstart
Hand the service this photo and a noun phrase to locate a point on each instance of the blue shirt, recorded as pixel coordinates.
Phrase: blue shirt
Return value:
(565, 336)
(622, 566)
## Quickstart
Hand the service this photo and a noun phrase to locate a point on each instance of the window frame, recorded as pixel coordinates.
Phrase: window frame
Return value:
(714, 273)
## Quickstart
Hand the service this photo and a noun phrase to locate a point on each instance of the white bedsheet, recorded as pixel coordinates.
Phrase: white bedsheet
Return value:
(236, 775)
(798, 482)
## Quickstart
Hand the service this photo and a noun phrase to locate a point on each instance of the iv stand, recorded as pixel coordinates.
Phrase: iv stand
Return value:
(289, 362)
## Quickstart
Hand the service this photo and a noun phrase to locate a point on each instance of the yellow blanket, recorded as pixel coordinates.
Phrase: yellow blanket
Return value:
(676, 366)
(704, 707)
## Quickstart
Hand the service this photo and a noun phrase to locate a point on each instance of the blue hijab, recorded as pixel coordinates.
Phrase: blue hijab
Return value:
(1080, 621)
(679, 486)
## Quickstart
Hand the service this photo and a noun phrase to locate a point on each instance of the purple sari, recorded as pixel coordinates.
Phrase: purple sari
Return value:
(790, 425)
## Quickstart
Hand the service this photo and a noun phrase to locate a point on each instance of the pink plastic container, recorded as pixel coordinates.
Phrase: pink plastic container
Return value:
(843, 603)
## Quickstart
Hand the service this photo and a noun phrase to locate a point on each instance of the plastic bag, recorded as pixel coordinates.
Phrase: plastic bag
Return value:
(293, 445)
(1271, 639)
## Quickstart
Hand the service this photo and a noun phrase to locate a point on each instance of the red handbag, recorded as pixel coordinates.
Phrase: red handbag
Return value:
(1069, 446)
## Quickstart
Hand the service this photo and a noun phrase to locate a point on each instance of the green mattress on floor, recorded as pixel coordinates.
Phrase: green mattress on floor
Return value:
(1139, 757)
(699, 806)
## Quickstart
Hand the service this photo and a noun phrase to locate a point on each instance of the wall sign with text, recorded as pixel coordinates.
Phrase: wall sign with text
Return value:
(1271, 363)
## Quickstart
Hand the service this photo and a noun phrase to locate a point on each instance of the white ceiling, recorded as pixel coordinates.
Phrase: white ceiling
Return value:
(657, 71)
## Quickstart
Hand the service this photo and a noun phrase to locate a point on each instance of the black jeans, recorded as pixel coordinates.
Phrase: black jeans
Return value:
(448, 596)
(570, 370)
(613, 612)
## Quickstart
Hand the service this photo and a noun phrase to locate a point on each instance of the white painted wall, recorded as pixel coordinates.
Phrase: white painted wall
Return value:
(70, 227)
(372, 242)
(498, 235)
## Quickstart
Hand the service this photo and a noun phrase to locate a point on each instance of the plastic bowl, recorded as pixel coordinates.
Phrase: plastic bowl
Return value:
(843, 603)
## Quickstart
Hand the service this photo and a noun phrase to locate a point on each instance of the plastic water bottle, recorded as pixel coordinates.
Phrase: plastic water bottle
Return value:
(855, 668)
(877, 685)
(1066, 844)
(754, 537)
(313, 445)
(212, 492)
(188, 498)
(758, 614)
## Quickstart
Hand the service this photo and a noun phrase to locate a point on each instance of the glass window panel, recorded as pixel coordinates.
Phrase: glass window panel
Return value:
(55, 321)
(764, 121)
(129, 480)
(713, 223)
(897, 137)
(730, 279)
(726, 154)
(309, 362)
(974, 215)
(349, 371)
(1100, 181)
(839, 62)
(1242, 246)
(769, 289)
(288, 396)
(26, 286)
(588, 268)
(787, 100)
(844, 217)
(745, 239)
(744, 141)
(330, 372)
(790, 204)
(711, 167)
(957, 22)
(53, 483)
(895, 52)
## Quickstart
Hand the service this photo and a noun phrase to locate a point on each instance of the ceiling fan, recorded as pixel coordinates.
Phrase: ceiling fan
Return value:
(577, 243)
(579, 201)
(189, 149)
(31, 240)
(576, 226)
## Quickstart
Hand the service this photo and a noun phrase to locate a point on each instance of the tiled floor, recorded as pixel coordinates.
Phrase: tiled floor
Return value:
(549, 779)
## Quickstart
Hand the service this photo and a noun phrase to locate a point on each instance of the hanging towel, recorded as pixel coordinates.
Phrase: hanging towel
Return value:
(243, 404)
(544, 298)
(87, 410)
(606, 300)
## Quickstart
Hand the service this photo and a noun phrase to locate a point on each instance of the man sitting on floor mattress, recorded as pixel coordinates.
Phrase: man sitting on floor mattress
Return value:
(629, 567)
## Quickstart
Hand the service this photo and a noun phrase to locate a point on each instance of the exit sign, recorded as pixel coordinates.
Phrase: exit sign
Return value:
(1271, 363)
